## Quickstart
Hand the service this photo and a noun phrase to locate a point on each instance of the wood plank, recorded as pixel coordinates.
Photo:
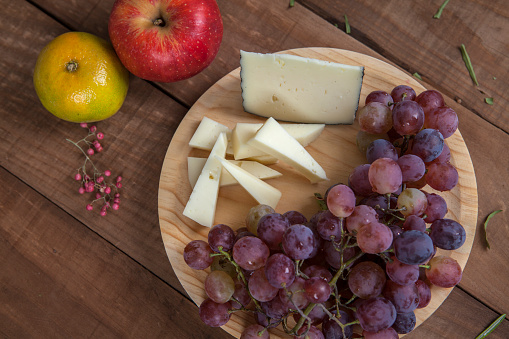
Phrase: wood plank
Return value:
(407, 34)
(33, 146)
(61, 280)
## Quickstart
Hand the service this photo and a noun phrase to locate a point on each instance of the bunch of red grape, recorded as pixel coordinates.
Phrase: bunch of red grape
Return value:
(368, 258)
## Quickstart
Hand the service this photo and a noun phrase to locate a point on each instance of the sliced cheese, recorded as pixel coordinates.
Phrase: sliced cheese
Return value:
(243, 132)
(206, 135)
(292, 88)
(262, 192)
(195, 165)
(274, 140)
(201, 206)
(264, 159)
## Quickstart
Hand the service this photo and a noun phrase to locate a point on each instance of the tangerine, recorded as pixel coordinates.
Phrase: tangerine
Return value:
(79, 78)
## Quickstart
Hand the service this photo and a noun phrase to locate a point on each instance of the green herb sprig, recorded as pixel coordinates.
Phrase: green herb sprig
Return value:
(490, 328)
(468, 63)
(347, 26)
(440, 10)
(486, 224)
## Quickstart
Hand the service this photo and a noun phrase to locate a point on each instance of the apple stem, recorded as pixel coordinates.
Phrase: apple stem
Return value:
(159, 22)
(71, 66)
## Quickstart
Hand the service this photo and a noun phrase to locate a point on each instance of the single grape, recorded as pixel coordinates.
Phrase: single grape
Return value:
(280, 270)
(340, 200)
(294, 295)
(437, 208)
(428, 144)
(197, 255)
(361, 215)
(363, 139)
(275, 308)
(359, 180)
(412, 202)
(240, 294)
(445, 156)
(412, 167)
(376, 314)
(388, 333)
(413, 247)
(254, 215)
(379, 96)
(242, 232)
(219, 286)
(396, 230)
(377, 202)
(295, 217)
(374, 238)
(405, 298)
(366, 280)
(447, 234)
(221, 235)
(444, 271)
(414, 222)
(381, 148)
(328, 226)
(266, 322)
(403, 93)
(375, 117)
(255, 331)
(317, 290)
(250, 253)
(404, 323)
(298, 242)
(385, 176)
(442, 176)
(317, 271)
(260, 287)
(401, 273)
(430, 100)
(424, 293)
(332, 330)
(311, 333)
(214, 314)
(407, 117)
(443, 119)
(271, 228)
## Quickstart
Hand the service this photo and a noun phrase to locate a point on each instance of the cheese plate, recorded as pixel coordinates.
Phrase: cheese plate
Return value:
(335, 150)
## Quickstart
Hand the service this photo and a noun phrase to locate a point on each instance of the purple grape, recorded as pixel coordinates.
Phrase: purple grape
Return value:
(295, 217)
(401, 273)
(376, 314)
(253, 332)
(385, 176)
(407, 117)
(317, 271)
(332, 330)
(260, 287)
(362, 215)
(340, 200)
(366, 280)
(250, 253)
(379, 96)
(197, 255)
(311, 333)
(280, 270)
(413, 247)
(240, 294)
(414, 222)
(375, 118)
(381, 148)
(428, 144)
(442, 176)
(333, 254)
(405, 298)
(444, 271)
(298, 242)
(374, 238)
(404, 323)
(430, 100)
(437, 208)
(317, 290)
(445, 156)
(359, 180)
(412, 167)
(403, 93)
(221, 235)
(275, 308)
(328, 226)
(296, 298)
(214, 314)
(443, 119)
(424, 293)
(271, 228)
(447, 234)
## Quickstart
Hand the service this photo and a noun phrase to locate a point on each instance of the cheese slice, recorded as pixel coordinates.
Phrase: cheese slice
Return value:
(206, 135)
(201, 206)
(243, 132)
(292, 88)
(195, 165)
(262, 192)
(274, 140)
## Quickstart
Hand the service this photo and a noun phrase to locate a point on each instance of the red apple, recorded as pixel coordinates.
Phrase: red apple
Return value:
(165, 40)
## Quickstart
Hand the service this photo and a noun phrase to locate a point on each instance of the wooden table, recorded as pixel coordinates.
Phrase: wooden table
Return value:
(68, 272)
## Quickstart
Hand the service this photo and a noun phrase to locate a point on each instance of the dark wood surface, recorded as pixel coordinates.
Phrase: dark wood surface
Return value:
(67, 272)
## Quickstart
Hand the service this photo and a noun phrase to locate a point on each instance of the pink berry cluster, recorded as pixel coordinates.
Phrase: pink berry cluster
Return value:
(106, 190)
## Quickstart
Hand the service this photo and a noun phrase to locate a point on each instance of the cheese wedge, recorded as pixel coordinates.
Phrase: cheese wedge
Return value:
(243, 132)
(274, 140)
(292, 88)
(262, 192)
(206, 135)
(195, 165)
(201, 206)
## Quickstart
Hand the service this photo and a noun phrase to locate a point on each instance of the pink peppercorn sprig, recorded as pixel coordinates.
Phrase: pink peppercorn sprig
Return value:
(91, 178)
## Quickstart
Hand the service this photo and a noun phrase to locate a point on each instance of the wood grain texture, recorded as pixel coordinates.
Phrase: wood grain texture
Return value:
(407, 34)
(335, 150)
(61, 280)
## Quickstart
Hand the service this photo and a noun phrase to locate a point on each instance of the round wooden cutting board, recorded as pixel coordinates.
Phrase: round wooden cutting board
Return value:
(335, 150)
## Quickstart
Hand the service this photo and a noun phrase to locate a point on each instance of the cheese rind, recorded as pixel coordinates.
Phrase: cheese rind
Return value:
(195, 165)
(292, 88)
(201, 206)
(262, 192)
(274, 140)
